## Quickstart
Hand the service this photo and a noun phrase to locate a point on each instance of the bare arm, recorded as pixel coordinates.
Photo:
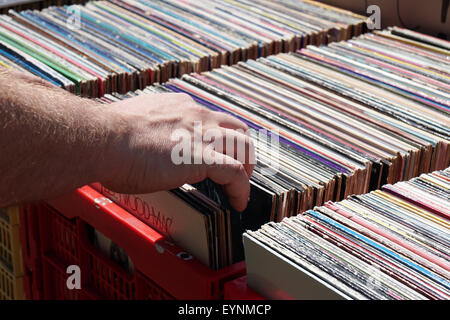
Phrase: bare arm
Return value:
(52, 142)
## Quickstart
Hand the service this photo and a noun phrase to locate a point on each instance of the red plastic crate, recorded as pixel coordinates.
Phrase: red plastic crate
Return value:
(162, 270)
(238, 289)
(11, 263)
(30, 251)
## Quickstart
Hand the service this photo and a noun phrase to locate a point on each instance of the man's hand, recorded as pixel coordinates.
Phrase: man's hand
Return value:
(140, 159)
(52, 142)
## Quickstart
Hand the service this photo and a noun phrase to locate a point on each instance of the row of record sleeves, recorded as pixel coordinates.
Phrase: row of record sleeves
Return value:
(392, 243)
(349, 118)
(123, 45)
(20, 5)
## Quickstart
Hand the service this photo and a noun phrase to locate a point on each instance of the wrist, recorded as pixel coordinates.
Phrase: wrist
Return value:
(116, 144)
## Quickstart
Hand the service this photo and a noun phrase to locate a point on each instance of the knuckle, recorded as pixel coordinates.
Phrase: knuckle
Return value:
(227, 117)
(238, 169)
(203, 109)
(183, 96)
(196, 107)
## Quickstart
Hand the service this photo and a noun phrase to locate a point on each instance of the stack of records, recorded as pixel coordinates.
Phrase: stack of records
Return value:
(329, 133)
(389, 244)
(340, 132)
(6, 5)
(124, 45)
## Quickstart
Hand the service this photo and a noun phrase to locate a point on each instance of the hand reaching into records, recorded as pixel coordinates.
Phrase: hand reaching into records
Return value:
(145, 154)
(52, 142)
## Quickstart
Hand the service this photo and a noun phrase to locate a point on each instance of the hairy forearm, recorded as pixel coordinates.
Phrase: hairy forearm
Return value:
(50, 141)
